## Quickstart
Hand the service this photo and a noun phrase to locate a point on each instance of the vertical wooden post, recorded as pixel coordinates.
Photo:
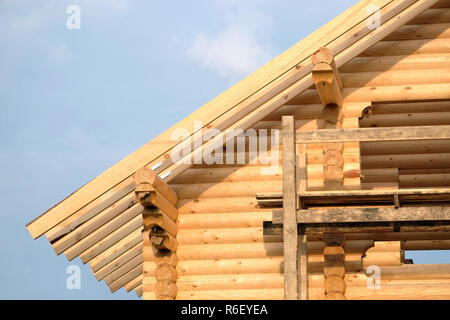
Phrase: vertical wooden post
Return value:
(302, 238)
(289, 209)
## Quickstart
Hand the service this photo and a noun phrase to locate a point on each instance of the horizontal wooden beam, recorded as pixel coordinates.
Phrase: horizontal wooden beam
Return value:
(376, 231)
(406, 197)
(368, 215)
(374, 134)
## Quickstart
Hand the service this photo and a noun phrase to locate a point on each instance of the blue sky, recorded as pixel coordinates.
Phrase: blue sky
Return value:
(75, 102)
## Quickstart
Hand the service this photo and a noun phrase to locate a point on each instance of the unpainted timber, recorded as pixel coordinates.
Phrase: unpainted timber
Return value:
(374, 134)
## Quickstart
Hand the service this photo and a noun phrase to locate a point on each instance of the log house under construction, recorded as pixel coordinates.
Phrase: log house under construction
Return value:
(350, 169)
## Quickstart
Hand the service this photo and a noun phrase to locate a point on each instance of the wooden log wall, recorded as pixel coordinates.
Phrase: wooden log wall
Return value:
(222, 253)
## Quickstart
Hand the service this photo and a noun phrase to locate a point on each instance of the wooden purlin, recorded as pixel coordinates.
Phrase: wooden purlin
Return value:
(340, 39)
(160, 215)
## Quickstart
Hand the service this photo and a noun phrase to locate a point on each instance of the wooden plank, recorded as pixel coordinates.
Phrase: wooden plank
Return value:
(290, 209)
(271, 229)
(368, 215)
(374, 134)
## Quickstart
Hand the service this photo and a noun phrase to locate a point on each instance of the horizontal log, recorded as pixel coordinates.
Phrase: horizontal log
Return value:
(211, 205)
(417, 31)
(406, 161)
(426, 244)
(410, 107)
(374, 134)
(379, 175)
(424, 180)
(404, 47)
(227, 282)
(395, 78)
(432, 15)
(228, 251)
(225, 220)
(223, 236)
(404, 147)
(226, 189)
(398, 93)
(225, 174)
(249, 294)
(379, 185)
(223, 266)
(441, 4)
(398, 62)
(406, 119)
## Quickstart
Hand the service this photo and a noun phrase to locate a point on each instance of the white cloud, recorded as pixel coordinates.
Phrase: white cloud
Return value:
(240, 47)
(233, 53)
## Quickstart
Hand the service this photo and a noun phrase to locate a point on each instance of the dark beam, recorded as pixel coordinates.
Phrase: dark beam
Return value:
(374, 134)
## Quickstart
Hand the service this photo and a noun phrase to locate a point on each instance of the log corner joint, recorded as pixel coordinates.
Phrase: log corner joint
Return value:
(160, 215)
(326, 77)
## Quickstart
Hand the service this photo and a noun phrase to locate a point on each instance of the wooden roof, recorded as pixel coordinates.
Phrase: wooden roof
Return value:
(101, 221)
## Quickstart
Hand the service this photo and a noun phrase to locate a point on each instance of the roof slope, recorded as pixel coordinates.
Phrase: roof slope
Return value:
(110, 197)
